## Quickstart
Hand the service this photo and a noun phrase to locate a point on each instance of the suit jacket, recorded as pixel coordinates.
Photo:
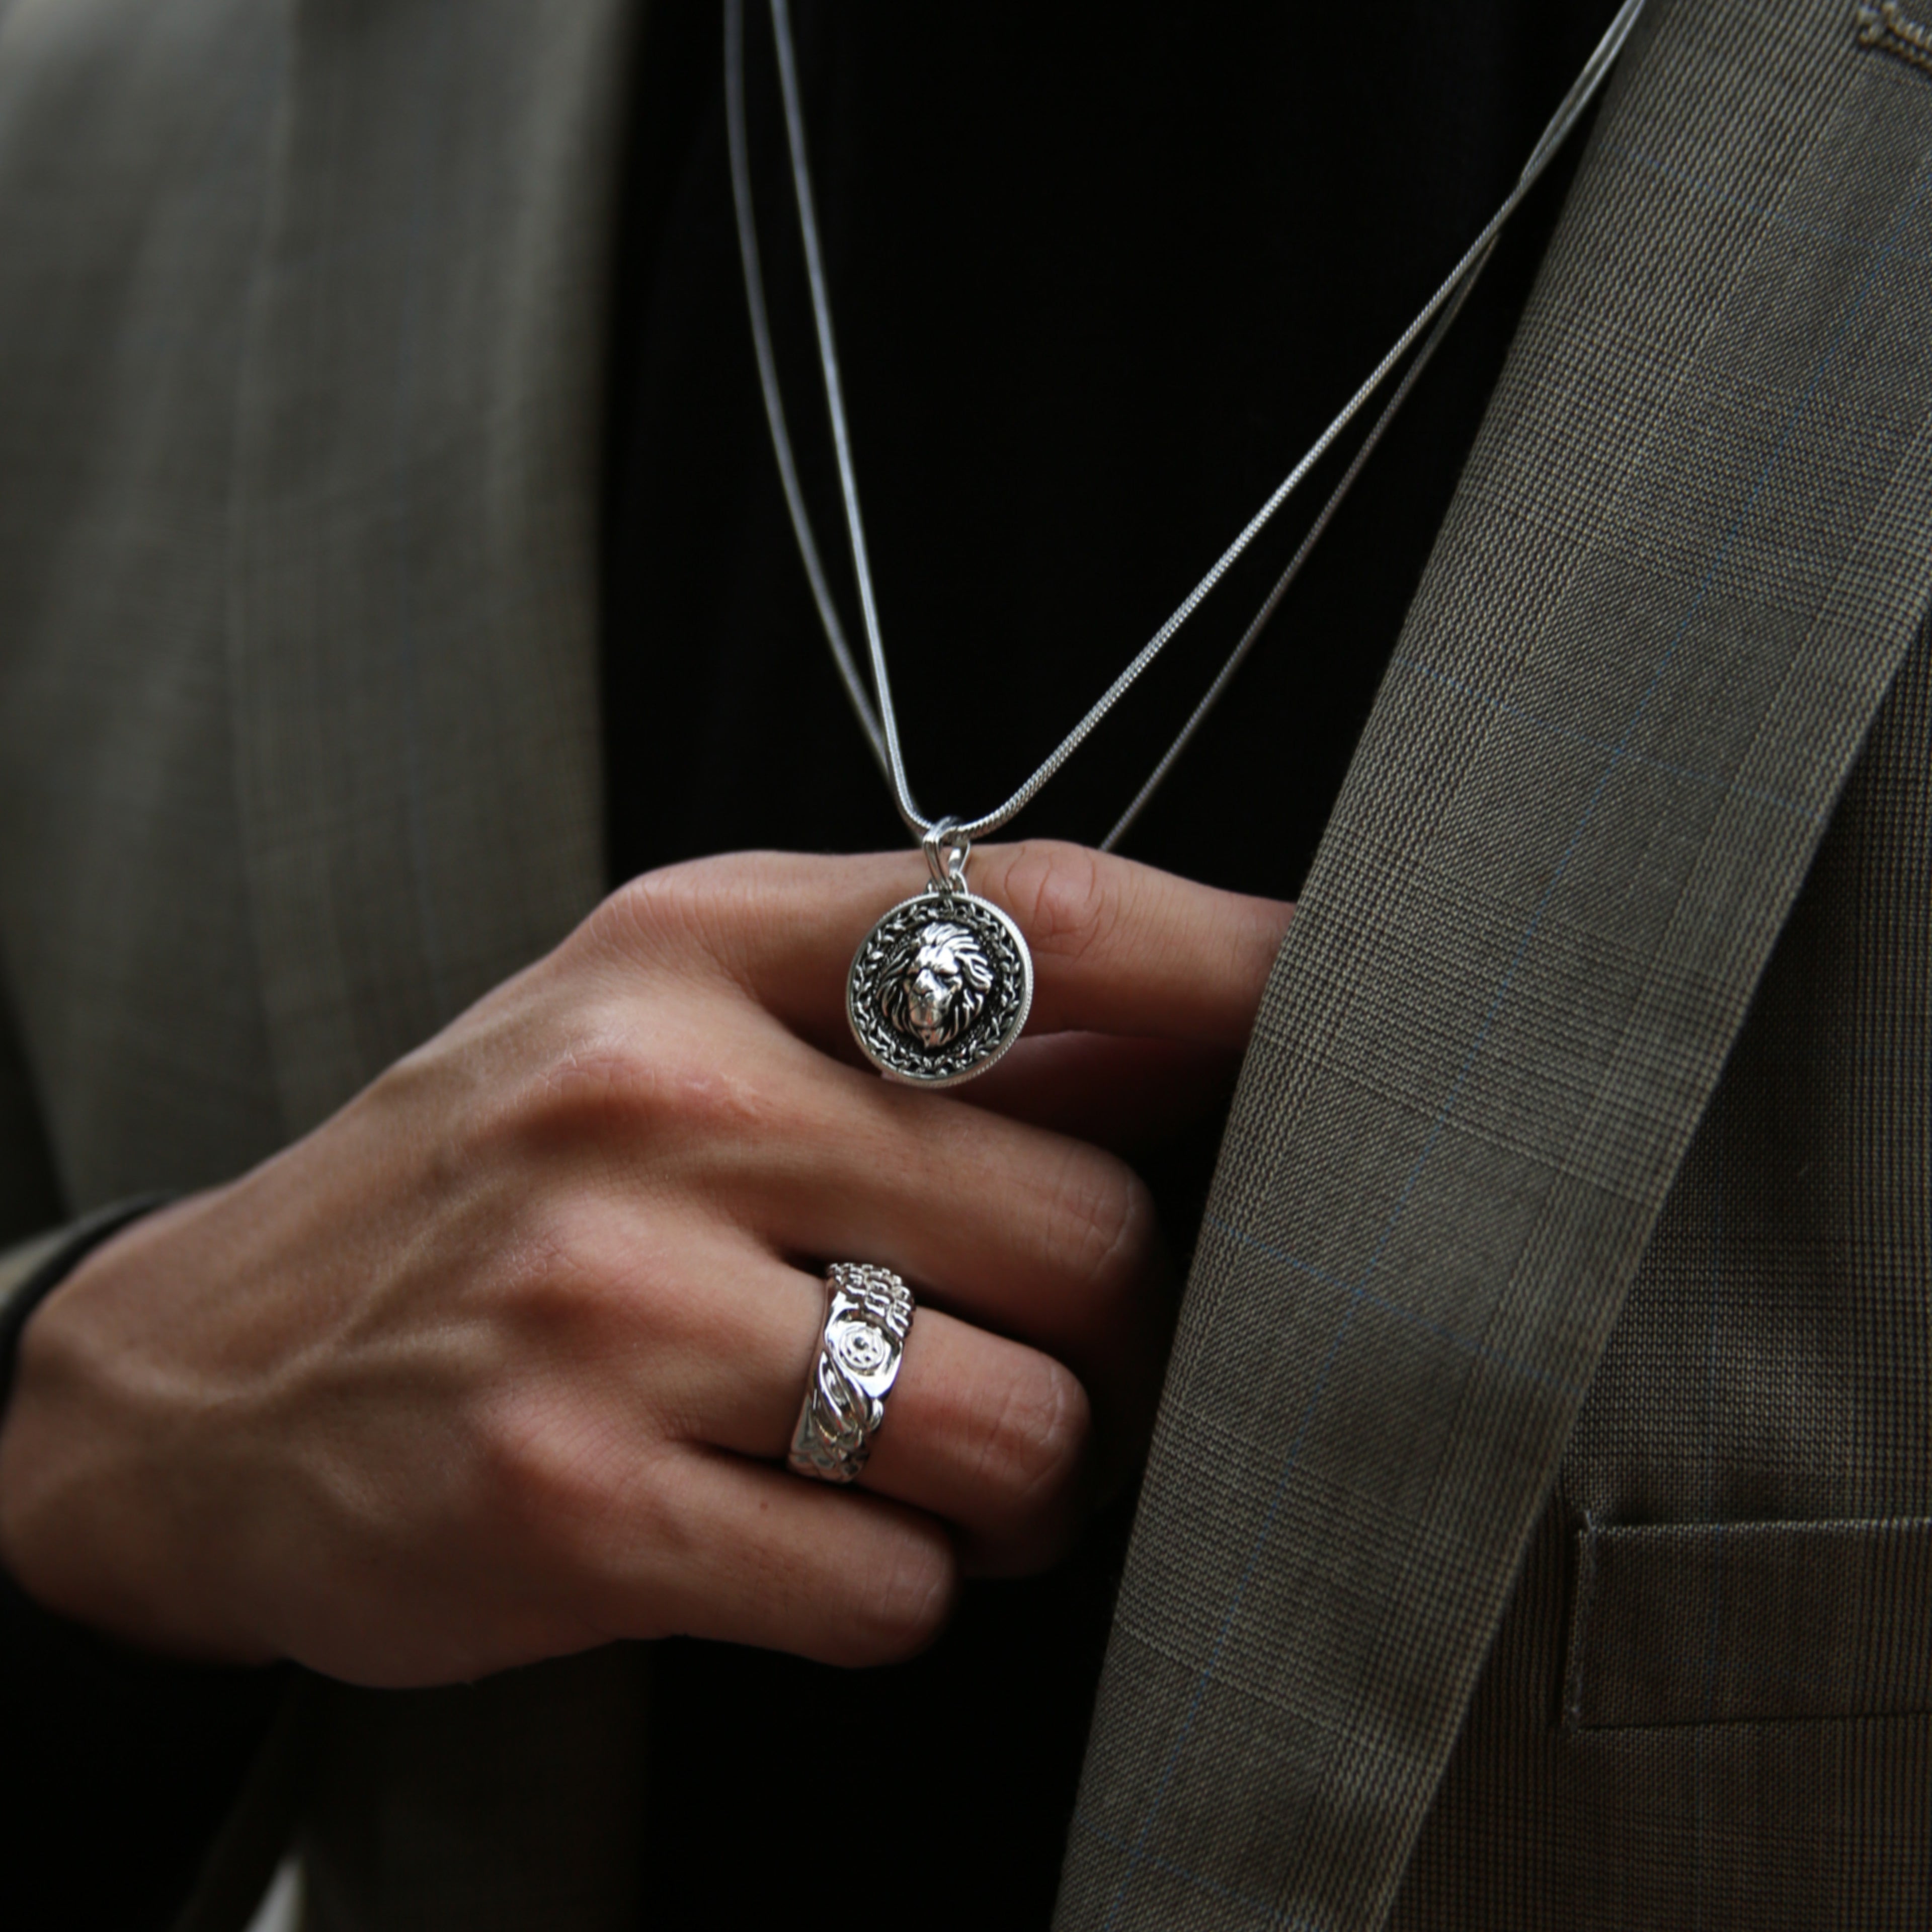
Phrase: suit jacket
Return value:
(1538, 1530)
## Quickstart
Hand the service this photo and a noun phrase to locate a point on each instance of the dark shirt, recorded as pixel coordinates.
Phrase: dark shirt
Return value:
(1100, 274)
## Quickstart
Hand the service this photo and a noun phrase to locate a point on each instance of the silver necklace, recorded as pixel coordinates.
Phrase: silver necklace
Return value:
(940, 987)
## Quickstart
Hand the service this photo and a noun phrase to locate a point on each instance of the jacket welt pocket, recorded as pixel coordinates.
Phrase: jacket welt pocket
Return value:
(1721, 1623)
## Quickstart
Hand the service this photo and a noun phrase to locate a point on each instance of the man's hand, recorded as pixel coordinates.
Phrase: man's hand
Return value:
(502, 1361)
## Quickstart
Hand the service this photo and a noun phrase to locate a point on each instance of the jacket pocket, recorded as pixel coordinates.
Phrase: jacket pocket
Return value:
(1717, 1623)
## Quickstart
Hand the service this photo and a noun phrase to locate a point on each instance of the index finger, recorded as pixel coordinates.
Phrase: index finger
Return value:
(1118, 947)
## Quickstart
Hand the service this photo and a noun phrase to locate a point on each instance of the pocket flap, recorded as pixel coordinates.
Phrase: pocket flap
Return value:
(1710, 1623)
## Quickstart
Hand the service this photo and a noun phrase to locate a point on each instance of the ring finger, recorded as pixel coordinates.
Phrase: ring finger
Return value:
(985, 1432)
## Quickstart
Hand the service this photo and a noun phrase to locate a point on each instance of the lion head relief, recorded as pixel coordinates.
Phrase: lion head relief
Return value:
(935, 983)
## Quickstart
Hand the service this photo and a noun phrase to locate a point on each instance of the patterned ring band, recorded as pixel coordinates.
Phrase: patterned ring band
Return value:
(868, 1316)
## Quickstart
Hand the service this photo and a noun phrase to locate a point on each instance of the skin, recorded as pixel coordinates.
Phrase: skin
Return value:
(502, 1361)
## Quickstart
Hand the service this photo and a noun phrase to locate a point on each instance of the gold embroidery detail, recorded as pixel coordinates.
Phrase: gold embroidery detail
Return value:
(1887, 28)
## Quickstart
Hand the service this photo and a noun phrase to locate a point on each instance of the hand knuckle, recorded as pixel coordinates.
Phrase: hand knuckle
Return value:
(594, 1086)
(1068, 898)
(546, 1469)
(906, 1598)
(693, 915)
(604, 1086)
(572, 1291)
(586, 1078)
(555, 1268)
(657, 912)
(1034, 1442)
(1101, 1225)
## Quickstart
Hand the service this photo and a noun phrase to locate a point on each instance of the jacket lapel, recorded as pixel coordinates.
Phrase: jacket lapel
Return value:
(413, 634)
(1689, 551)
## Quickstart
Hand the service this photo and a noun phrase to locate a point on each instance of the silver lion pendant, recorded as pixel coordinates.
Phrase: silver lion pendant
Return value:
(941, 987)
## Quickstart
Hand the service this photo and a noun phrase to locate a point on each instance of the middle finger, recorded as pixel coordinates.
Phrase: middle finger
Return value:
(1019, 1230)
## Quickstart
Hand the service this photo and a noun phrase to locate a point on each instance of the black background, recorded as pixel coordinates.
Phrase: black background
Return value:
(1100, 274)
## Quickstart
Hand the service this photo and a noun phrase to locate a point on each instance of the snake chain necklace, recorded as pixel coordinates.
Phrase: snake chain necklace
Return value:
(941, 986)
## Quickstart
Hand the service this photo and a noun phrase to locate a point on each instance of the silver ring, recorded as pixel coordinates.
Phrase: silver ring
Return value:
(868, 1316)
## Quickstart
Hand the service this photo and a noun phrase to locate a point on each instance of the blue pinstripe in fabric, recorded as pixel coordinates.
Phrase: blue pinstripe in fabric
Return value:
(1774, 217)
(1268, 1913)
(1467, 1344)
(1409, 668)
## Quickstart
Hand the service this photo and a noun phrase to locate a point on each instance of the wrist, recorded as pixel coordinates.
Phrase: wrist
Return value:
(35, 1271)
(77, 1536)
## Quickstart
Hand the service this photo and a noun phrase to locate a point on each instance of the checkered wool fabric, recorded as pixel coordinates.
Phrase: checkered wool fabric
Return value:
(1689, 555)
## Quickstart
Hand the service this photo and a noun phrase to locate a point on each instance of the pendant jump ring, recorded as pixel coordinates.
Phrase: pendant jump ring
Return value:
(945, 855)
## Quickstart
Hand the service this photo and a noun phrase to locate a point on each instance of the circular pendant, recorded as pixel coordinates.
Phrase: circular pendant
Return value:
(939, 988)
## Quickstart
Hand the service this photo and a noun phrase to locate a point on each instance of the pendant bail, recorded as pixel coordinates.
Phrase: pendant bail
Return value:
(945, 855)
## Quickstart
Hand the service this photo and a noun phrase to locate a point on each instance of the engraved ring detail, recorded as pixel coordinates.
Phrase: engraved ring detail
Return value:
(868, 1315)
